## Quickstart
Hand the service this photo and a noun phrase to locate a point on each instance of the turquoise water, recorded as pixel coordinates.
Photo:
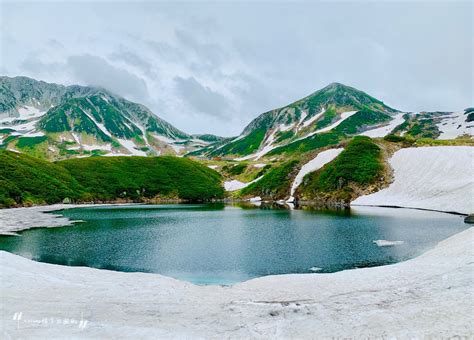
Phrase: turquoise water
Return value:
(221, 244)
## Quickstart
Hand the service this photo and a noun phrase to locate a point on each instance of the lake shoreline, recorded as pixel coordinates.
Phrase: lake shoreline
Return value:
(24, 218)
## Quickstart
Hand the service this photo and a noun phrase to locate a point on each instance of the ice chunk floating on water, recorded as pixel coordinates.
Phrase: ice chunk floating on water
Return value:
(385, 243)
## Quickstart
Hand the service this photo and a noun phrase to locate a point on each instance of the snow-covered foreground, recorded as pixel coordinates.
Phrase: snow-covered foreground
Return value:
(316, 163)
(429, 296)
(437, 178)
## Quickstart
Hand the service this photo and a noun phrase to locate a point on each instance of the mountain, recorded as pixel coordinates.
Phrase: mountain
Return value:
(316, 113)
(56, 122)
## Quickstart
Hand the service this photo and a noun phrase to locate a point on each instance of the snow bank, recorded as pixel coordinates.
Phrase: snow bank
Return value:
(90, 147)
(437, 178)
(268, 146)
(303, 116)
(29, 112)
(455, 125)
(344, 116)
(385, 130)
(427, 297)
(256, 199)
(33, 134)
(284, 127)
(234, 185)
(16, 219)
(316, 163)
(131, 147)
(314, 118)
(237, 185)
(171, 142)
(99, 125)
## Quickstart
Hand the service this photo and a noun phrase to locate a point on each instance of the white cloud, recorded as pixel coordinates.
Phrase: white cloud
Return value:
(195, 63)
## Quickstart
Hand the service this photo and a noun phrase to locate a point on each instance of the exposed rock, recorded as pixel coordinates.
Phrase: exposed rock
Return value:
(469, 219)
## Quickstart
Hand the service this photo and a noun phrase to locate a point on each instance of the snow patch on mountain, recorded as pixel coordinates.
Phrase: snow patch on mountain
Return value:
(25, 123)
(99, 125)
(344, 116)
(455, 125)
(386, 129)
(30, 112)
(131, 147)
(33, 134)
(303, 116)
(234, 185)
(436, 178)
(268, 146)
(314, 118)
(316, 163)
(284, 127)
(24, 113)
(90, 147)
(171, 142)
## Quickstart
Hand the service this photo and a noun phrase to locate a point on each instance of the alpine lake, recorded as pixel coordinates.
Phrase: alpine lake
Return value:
(224, 244)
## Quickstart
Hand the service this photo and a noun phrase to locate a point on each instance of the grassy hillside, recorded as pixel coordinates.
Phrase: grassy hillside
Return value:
(275, 184)
(316, 141)
(243, 146)
(106, 178)
(25, 180)
(360, 164)
(362, 119)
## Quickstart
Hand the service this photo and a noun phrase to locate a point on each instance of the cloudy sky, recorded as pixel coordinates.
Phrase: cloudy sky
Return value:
(214, 66)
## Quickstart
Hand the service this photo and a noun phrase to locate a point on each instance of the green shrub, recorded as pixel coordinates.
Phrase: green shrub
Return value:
(394, 138)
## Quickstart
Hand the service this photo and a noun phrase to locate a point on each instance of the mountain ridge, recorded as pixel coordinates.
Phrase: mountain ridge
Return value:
(58, 121)
(55, 122)
(303, 118)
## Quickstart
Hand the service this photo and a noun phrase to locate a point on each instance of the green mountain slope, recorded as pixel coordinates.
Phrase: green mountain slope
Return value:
(83, 121)
(26, 180)
(304, 117)
(106, 178)
(359, 165)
